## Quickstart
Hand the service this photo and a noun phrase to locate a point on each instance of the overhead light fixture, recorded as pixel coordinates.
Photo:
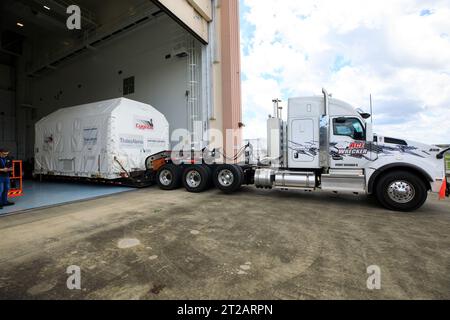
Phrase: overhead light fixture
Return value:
(48, 8)
(20, 24)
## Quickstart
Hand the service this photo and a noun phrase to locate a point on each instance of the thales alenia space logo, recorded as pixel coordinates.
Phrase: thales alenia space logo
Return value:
(142, 124)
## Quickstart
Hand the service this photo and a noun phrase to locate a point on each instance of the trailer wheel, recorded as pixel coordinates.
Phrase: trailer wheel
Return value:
(169, 177)
(228, 178)
(401, 191)
(196, 178)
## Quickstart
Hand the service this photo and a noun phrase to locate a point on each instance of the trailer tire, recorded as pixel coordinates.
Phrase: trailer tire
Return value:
(401, 191)
(197, 178)
(228, 178)
(168, 177)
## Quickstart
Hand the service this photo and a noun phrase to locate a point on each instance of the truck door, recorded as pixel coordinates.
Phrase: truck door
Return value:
(348, 144)
(304, 143)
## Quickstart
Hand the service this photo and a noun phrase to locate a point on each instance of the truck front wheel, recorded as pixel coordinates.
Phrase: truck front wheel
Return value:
(401, 191)
(169, 177)
(228, 178)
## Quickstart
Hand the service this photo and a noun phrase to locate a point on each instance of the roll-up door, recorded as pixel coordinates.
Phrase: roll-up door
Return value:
(194, 15)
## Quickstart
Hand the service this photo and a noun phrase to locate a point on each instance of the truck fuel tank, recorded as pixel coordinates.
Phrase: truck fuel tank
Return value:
(287, 179)
(270, 178)
(264, 178)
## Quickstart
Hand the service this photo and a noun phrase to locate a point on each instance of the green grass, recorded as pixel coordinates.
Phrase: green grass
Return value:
(447, 159)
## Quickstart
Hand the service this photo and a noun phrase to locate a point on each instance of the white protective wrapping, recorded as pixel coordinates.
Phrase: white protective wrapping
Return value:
(85, 141)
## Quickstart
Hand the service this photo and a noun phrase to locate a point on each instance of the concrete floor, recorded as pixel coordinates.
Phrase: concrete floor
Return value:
(44, 194)
(252, 245)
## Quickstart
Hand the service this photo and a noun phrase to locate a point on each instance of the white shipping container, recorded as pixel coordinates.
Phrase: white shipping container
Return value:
(96, 140)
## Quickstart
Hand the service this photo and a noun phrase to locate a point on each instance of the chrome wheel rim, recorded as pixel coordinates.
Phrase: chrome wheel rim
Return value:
(166, 178)
(193, 179)
(401, 192)
(226, 178)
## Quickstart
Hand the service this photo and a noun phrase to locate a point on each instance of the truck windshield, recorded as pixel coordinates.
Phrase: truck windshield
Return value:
(350, 127)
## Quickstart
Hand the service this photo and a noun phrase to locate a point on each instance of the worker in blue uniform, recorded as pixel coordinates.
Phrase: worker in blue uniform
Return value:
(6, 167)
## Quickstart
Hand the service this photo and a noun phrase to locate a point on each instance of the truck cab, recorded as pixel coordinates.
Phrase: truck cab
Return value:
(330, 142)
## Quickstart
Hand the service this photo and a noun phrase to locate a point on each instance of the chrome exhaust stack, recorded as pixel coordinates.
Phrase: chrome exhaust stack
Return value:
(325, 133)
(327, 102)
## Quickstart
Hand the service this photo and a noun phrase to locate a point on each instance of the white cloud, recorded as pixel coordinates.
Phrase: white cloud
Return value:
(399, 51)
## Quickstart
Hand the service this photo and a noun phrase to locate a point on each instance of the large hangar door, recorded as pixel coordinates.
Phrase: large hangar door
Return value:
(154, 54)
(193, 15)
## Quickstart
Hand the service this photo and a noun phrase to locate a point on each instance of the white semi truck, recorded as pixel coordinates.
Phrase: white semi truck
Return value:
(325, 144)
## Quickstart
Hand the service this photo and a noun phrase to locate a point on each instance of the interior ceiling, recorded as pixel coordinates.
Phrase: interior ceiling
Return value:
(39, 21)
(107, 10)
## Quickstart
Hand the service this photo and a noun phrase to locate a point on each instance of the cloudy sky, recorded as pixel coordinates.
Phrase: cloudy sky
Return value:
(396, 50)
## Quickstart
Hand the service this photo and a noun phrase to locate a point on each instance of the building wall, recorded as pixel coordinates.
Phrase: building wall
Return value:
(224, 65)
(194, 14)
(231, 74)
(7, 108)
(226, 72)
